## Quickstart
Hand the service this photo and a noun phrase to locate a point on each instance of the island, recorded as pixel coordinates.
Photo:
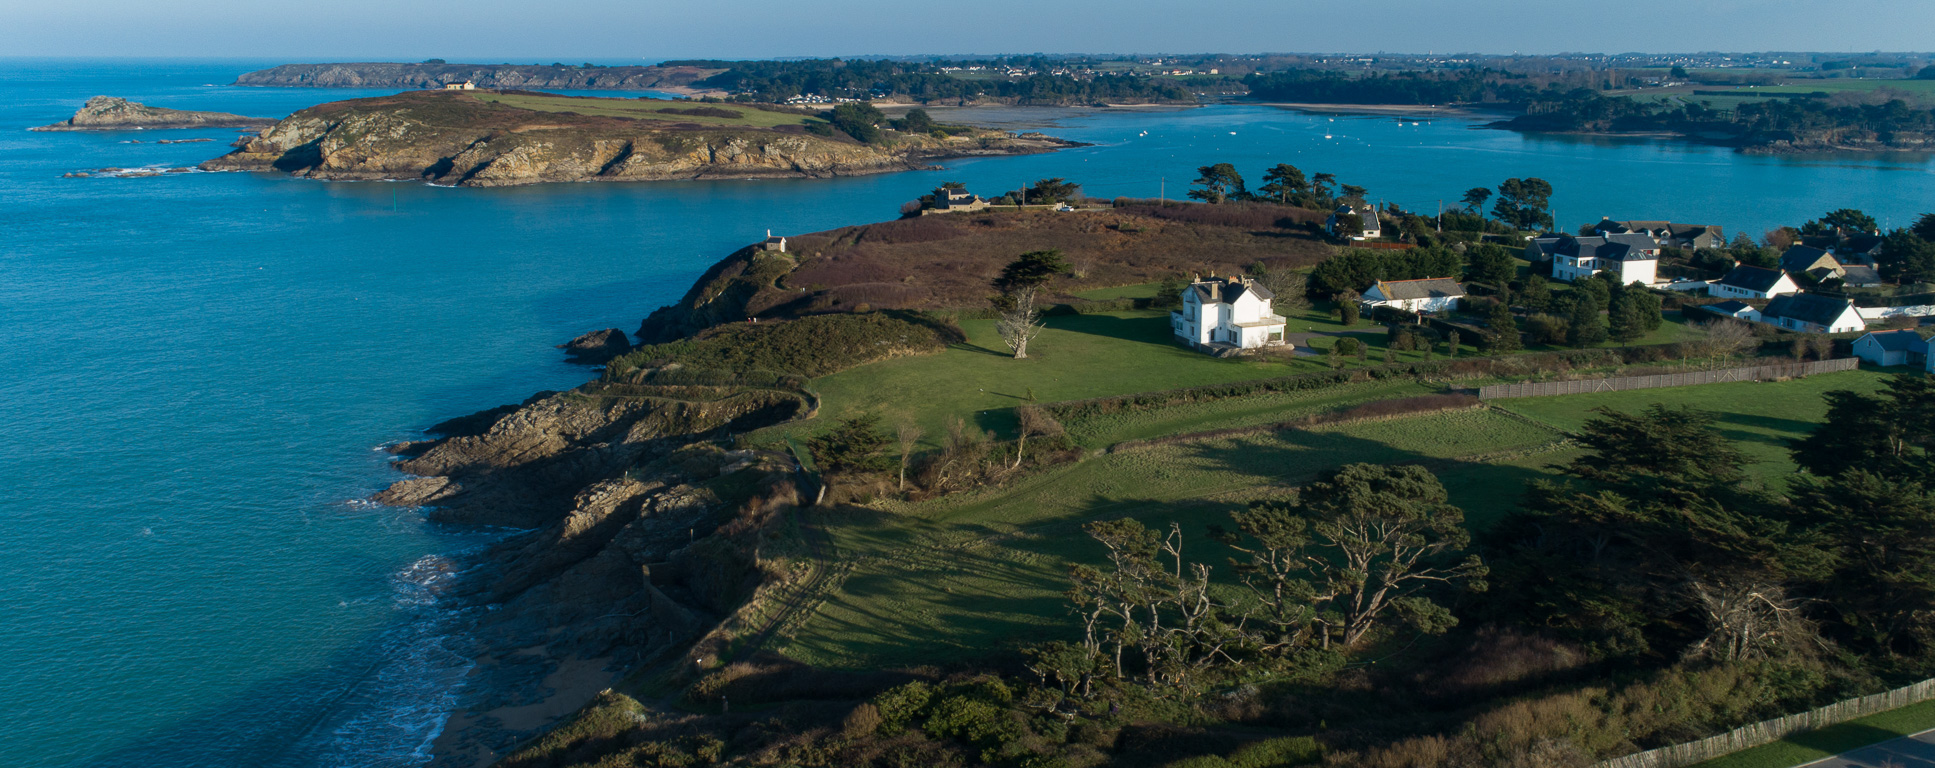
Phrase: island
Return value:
(110, 113)
(490, 138)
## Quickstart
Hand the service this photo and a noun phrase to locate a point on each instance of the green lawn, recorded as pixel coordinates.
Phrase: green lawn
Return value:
(973, 573)
(644, 109)
(1808, 747)
(969, 574)
(1758, 416)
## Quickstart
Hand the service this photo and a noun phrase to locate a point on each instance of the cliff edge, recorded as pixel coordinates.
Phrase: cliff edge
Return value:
(505, 138)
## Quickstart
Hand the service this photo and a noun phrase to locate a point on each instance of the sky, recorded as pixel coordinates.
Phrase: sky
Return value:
(615, 31)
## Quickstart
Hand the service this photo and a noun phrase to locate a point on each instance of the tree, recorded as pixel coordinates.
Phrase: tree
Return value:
(1451, 344)
(1677, 73)
(1890, 434)
(907, 436)
(1218, 183)
(1490, 264)
(1882, 534)
(1353, 193)
(1924, 227)
(1282, 181)
(1347, 309)
(1534, 294)
(1290, 289)
(1168, 293)
(1629, 315)
(1320, 187)
(1360, 543)
(1055, 190)
(1726, 338)
(1906, 258)
(1584, 328)
(915, 121)
(1504, 331)
(1522, 203)
(1030, 420)
(1019, 321)
(1849, 220)
(860, 120)
(853, 445)
(1475, 198)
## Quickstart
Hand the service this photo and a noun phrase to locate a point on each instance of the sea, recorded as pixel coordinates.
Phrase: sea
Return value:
(197, 371)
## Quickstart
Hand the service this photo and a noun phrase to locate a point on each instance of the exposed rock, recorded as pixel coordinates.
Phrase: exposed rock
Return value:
(109, 113)
(450, 137)
(597, 347)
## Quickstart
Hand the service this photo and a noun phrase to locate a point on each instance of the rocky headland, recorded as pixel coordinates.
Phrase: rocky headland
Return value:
(110, 113)
(478, 139)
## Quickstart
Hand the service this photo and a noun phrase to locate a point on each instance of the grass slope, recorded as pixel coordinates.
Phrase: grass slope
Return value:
(643, 109)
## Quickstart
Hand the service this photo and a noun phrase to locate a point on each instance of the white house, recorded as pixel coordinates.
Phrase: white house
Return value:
(1737, 310)
(1809, 313)
(1432, 294)
(1749, 282)
(1901, 347)
(1371, 231)
(1630, 257)
(467, 85)
(955, 199)
(1227, 315)
(773, 242)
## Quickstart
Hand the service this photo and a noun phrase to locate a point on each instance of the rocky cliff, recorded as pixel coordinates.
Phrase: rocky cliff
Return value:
(109, 113)
(456, 138)
(433, 75)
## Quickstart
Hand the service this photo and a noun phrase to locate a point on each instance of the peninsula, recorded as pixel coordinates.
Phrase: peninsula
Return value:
(110, 113)
(484, 138)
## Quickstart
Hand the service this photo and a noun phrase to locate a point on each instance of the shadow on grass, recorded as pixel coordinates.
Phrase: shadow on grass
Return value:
(1846, 736)
(1148, 330)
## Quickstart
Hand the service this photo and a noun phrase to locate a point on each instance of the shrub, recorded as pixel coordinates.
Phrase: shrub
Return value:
(1546, 329)
(900, 706)
(855, 445)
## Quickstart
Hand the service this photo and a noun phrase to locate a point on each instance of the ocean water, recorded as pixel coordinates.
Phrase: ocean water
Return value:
(196, 369)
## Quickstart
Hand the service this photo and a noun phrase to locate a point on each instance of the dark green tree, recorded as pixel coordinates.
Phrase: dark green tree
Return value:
(1534, 294)
(860, 120)
(1850, 220)
(1522, 203)
(854, 445)
(1282, 182)
(1490, 264)
(1504, 337)
(1881, 532)
(1906, 257)
(1055, 190)
(1585, 327)
(1924, 227)
(1475, 198)
(1890, 433)
(1218, 183)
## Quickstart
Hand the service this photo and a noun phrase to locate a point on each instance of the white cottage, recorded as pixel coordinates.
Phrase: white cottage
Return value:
(1227, 315)
(1897, 347)
(1431, 294)
(1367, 215)
(1745, 281)
(1808, 313)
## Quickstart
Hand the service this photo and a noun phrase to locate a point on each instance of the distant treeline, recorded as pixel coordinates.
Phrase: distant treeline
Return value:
(774, 81)
(1774, 122)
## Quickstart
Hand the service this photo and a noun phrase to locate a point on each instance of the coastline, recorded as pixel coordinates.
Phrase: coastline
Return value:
(1389, 109)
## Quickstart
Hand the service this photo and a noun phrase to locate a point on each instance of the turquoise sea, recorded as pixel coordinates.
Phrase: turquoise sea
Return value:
(196, 370)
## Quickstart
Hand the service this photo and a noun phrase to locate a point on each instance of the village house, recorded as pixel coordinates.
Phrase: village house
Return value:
(1860, 276)
(773, 243)
(1750, 282)
(1227, 315)
(1631, 258)
(1859, 248)
(1371, 230)
(1432, 294)
(1899, 347)
(466, 85)
(1666, 232)
(1811, 260)
(1808, 313)
(956, 199)
(1738, 310)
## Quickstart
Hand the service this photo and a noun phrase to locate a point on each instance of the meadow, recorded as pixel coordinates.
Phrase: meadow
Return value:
(970, 574)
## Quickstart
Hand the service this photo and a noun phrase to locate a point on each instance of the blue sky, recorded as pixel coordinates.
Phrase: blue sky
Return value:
(611, 31)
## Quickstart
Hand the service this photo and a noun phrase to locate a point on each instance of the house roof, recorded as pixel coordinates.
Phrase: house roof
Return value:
(1859, 274)
(1425, 288)
(1729, 307)
(1625, 247)
(1752, 278)
(1903, 340)
(1801, 258)
(1675, 231)
(1807, 307)
(1863, 244)
(1224, 290)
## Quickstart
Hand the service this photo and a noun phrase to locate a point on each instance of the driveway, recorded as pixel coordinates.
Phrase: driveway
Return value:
(1917, 751)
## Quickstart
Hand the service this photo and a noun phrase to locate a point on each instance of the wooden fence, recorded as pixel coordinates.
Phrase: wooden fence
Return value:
(1581, 386)
(1769, 731)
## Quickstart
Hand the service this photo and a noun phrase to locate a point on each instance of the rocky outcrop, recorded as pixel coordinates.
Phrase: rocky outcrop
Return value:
(109, 113)
(436, 74)
(597, 347)
(448, 137)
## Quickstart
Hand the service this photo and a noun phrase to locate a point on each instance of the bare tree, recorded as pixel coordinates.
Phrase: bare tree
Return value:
(1289, 288)
(1726, 338)
(1744, 619)
(1033, 421)
(1018, 322)
(908, 436)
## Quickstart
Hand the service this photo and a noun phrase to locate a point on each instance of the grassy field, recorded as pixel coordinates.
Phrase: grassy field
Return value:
(1758, 416)
(968, 574)
(644, 109)
(1802, 748)
(972, 573)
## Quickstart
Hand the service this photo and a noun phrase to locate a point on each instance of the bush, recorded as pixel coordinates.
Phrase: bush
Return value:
(811, 346)
(1546, 329)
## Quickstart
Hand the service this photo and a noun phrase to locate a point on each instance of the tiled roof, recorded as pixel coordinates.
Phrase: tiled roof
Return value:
(1752, 278)
(1903, 340)
(1426, 288)
(1807, 307)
